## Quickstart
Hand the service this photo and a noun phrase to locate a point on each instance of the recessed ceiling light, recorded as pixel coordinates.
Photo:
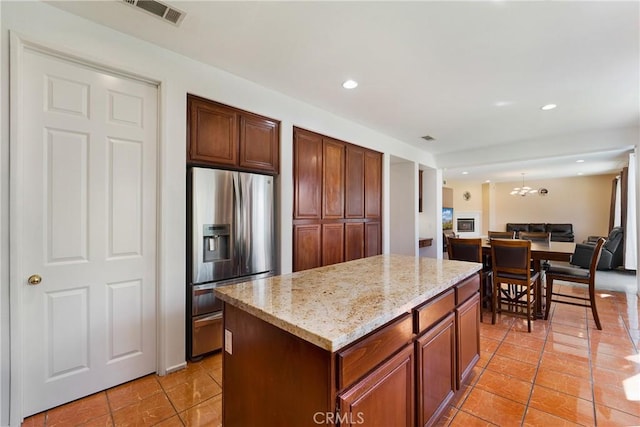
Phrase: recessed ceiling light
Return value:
(488, 180)
(580, 161)
(350, 84)
(465, 173)
(580, 173)
(548, 107)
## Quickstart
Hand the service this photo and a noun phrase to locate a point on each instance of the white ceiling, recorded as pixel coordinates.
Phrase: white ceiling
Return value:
(471, 74)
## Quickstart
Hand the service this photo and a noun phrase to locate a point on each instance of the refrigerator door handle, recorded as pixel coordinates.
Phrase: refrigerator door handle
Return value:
(238, 217)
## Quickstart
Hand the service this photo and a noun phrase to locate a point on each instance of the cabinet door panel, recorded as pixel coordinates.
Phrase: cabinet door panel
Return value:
(436, 370)
(212, 133)
(332, 243)
(372, 184)
(384, 397)
(306, 246)
(307, 175)
(259, 143)
(468, 336)
(354, 241)
(372, 237)
(332, 180)
(354, 189)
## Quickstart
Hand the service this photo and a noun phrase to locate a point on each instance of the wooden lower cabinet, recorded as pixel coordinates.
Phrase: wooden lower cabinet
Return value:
(332, 243)
(467, 336)
(308, 241)
(436, 374)
(372, 239)
(354, 241)
(382, 398)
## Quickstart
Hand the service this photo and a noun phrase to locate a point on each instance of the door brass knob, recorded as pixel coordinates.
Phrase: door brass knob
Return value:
(34, 279)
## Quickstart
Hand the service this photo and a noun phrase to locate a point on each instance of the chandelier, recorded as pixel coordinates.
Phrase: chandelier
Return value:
(522, 191)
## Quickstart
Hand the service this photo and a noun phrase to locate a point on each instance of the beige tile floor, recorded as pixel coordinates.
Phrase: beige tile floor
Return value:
(564, 373)
(190, 397)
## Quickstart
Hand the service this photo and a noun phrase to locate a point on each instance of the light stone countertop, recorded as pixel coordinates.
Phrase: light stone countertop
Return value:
(335, 305)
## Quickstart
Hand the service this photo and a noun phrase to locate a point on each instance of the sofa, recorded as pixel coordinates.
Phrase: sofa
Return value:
(559, 232)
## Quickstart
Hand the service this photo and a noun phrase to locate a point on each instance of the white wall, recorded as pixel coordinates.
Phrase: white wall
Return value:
(44, 24)
(430, 220)
(403, 200)
(582, 201)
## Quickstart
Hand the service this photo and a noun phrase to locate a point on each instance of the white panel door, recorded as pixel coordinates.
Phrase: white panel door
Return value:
(88, 187)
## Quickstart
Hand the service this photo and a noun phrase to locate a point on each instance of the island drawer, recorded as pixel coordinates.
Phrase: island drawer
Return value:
(433, 310)
(364, 355)
(467, 288)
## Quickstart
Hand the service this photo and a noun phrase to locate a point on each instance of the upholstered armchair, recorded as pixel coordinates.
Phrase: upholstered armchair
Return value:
(612, 251)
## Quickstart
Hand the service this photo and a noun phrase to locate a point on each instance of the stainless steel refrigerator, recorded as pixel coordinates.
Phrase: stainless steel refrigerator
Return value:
(230, 239)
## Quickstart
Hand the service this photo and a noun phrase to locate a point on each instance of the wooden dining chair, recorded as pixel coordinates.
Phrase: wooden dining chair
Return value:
(535, 236)
(513, 281)
(571, 273)
(538, 237)
(502, 234)
(462, 249)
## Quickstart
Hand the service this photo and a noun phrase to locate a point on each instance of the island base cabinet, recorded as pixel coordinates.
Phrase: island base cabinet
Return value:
(271, 377)
(382, 398)
(468, 337)
(436, 370)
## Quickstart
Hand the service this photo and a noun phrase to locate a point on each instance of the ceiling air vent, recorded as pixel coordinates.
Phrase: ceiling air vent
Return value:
(158, 9)
(428, 138)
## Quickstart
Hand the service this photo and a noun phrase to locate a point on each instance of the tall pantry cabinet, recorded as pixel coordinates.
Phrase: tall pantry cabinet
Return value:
(337, 201)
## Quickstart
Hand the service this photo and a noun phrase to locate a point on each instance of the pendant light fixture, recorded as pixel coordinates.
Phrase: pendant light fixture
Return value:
(522, 191)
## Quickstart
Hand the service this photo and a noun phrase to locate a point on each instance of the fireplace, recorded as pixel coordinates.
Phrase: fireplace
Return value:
(466, 225)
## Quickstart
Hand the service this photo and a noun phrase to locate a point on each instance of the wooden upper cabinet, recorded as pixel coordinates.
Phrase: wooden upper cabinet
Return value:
(372, 184)
(259, 143)
(307, 175)
(354, 188)
(213, 133)
(220, 135)
(332, 179)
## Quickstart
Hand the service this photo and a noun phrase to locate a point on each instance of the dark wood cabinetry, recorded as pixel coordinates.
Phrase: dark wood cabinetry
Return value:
(353, 241)
(372, 184)
(436, 370)
(307, 175)
(332, 243)
(259, 143)
(307, 239)
(332, 179)
(354, 189)
(468, 337)
(223, 136)
(213, 133)
(336, 183)
(384, 397)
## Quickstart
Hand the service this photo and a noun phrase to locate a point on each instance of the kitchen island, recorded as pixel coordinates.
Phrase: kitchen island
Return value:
(386, 340)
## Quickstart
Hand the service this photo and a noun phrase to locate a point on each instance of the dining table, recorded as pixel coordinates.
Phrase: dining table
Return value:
(540, 251)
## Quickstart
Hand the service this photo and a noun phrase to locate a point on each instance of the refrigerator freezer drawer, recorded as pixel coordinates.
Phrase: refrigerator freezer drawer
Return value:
(203, 300)
(207, 334)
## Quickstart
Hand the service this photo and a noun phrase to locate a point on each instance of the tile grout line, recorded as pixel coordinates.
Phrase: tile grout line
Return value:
(164, 391)
(533, 380)
(472, 387)
(106, 395)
